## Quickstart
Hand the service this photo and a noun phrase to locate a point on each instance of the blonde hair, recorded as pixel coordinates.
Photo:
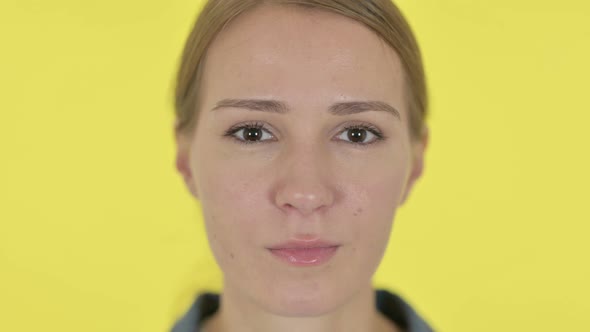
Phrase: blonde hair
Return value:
(381, 16)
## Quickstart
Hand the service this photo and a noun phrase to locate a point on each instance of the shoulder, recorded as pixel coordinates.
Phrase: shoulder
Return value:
(396, 308)
(204, 305)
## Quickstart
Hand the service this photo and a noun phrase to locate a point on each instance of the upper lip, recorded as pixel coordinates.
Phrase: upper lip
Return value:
(317, 243)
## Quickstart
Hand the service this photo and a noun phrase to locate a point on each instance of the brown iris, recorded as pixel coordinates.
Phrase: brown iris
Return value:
(357, 135)
(252, 134)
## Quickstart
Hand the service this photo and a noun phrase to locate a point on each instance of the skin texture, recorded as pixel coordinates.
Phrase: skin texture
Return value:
(305, 176)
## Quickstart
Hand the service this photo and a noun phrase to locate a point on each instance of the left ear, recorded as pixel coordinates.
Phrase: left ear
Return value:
(418, 149)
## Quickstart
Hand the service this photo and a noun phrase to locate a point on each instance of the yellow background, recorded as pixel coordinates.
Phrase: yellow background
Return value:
(98, 233)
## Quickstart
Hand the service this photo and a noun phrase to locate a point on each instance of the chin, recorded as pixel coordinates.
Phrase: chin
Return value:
(301, 302)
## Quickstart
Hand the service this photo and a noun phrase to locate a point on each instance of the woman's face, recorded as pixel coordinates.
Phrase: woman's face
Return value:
(303, 175)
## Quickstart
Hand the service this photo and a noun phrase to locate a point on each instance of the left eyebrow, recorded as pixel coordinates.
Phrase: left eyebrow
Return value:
(339, 109)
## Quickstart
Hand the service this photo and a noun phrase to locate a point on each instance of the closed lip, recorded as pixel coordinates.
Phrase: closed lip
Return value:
(298, 244)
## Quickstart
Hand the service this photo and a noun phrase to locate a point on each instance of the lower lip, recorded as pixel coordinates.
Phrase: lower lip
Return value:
(305, 256)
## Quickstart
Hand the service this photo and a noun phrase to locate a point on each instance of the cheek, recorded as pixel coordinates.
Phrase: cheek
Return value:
(231, 203)
(386, 192)
(376, 202)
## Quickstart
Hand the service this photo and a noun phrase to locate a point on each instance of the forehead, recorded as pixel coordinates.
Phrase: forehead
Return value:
(300, 56)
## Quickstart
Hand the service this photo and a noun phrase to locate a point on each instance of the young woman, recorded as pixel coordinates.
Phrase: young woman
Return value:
(300, 129)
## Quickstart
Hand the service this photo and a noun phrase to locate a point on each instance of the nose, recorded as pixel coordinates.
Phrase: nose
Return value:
(304, 182)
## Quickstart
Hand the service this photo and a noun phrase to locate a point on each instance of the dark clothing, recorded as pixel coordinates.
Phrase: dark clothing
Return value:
(389, 304)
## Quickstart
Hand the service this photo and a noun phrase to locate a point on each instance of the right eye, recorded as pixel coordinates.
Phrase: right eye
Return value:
(249, 133)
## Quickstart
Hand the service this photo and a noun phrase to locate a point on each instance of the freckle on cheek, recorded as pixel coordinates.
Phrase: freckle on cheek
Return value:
(231, 254)
(358, 211)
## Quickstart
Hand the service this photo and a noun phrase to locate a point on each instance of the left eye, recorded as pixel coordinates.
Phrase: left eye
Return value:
(358, 133)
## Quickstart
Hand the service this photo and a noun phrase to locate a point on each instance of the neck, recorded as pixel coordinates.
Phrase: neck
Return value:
(358, 314)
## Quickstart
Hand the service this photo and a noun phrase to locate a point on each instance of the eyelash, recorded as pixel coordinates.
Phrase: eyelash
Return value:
(258, 125)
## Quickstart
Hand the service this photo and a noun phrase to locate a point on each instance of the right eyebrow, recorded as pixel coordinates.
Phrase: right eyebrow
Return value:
(338, 109)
